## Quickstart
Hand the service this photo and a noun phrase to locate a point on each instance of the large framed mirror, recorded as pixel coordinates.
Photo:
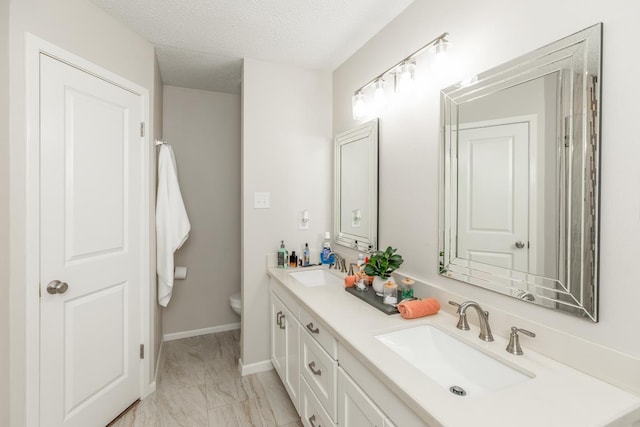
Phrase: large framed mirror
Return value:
(520, 184)
(356, 187)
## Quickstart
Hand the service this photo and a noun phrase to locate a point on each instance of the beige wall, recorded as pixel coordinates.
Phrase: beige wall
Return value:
(203, 128)
(409, 140)
(4, 213)
(287, 151)
(83, 29)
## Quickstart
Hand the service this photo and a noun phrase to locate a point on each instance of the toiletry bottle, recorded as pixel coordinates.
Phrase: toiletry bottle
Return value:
(306, 255)
(293, 260)
(326, 256)
(282, 256)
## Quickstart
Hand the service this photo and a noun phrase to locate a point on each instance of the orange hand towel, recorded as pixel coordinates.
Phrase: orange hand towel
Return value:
(418, 308)
(350, 281)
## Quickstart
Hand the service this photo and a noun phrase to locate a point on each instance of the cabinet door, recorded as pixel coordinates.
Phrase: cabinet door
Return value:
(355, 409)
(277, 335)
(291, 371)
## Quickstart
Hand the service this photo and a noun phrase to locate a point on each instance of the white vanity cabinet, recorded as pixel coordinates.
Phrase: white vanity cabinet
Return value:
(305, 355)
(285, 345)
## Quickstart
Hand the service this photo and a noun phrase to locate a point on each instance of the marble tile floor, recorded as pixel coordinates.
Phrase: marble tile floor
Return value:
(198, 385)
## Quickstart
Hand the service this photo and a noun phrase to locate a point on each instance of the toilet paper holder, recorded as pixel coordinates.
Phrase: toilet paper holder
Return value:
(180, 272)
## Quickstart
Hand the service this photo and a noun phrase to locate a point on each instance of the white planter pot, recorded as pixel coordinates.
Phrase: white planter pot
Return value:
(378, 284)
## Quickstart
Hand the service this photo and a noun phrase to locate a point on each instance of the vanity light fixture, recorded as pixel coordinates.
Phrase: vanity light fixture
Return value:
(404, 72)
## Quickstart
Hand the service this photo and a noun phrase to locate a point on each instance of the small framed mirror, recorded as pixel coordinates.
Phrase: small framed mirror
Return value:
(520, 188)
(356, 187)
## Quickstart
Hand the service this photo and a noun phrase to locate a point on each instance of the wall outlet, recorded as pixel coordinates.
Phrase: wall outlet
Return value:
(303, 220)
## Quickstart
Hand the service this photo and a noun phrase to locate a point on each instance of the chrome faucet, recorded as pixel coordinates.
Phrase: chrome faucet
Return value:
(340, 262)
(483, 316)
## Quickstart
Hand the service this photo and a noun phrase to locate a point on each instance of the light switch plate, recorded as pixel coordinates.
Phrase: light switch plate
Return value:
(261, 200)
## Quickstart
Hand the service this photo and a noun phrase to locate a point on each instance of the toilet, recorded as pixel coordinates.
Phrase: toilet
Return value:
(236, 303)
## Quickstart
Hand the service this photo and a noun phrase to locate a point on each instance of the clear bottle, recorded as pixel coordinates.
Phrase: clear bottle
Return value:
(306, 255)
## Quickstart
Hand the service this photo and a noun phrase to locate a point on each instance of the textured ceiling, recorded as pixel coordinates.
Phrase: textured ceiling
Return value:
(201, 43)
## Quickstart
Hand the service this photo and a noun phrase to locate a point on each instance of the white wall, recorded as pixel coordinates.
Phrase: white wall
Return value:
(203, 128)
(5, 391)
(488, 35)
(287, 151)
(80, 27)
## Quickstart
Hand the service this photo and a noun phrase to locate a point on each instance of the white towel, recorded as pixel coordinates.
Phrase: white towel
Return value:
(172, 223)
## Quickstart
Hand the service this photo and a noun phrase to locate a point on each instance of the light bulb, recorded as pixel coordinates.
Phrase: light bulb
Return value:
(379, 97)
(405, 75)
(358, 105)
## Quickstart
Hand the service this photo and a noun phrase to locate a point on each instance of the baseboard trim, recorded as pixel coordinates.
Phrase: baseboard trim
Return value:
(203, 331)
(254, 368)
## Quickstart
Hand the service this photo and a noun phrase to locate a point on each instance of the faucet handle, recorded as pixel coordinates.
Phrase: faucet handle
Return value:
(463, 323)
(514, 340)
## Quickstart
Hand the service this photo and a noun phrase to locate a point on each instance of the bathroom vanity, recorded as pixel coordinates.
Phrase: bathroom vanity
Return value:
(330, 352)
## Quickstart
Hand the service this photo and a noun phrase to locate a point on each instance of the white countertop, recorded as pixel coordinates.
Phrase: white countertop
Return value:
(557, 395)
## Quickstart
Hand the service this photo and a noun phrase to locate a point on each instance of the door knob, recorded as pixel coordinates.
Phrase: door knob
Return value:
(57, 287)
(519, 244)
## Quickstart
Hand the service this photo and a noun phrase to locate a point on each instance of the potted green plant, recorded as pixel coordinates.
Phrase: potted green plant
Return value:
(381, 264)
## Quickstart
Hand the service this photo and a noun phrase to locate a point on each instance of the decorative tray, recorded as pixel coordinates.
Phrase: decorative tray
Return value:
(369, 296)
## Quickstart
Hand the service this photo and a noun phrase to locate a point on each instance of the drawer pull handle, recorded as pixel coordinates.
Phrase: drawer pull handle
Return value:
(312, 367)
(282, 324)
(278, 319)
(312, 329)
(312, 420)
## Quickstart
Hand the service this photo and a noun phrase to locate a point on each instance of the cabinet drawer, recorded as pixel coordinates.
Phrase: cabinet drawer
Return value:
(311, 411)
(319, 332)
(355, 408)
(320, 371)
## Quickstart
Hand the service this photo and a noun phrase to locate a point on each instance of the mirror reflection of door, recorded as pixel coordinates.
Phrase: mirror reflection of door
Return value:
(493, 193)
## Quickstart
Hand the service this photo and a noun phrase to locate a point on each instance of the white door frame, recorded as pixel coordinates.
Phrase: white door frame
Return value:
(34, 47)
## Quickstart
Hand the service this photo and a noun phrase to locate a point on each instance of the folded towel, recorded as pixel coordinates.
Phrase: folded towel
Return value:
(418, 308)
(350, 281)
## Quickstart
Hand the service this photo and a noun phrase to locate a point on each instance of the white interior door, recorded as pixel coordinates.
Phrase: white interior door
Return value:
(91, 212)
(493, 205)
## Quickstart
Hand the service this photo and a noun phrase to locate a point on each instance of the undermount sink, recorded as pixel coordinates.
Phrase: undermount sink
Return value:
(317, 277)
(456, 366)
